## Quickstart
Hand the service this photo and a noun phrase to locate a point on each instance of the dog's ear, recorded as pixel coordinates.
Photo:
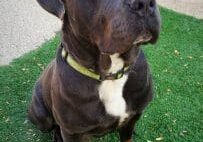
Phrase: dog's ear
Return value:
(55, 7)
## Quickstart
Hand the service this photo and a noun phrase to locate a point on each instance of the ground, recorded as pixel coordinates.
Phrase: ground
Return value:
(175, 115)
(24, 26)
(189, 7)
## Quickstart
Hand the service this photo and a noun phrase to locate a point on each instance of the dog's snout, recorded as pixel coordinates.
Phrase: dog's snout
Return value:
(143, 7)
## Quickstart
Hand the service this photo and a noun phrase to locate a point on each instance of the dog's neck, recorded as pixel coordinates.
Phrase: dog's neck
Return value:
(88, 55)
(80, 49)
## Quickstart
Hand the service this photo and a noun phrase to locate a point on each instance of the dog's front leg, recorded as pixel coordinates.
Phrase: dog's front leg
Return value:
(126, 131)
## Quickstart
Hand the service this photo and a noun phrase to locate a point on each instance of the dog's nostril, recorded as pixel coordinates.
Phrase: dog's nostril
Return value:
(151, 4)
(140, 5)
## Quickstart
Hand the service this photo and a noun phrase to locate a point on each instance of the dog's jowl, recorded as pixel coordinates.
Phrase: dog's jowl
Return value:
(99, 81)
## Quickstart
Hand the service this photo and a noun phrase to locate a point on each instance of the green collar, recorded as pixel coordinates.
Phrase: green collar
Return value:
(90, 73)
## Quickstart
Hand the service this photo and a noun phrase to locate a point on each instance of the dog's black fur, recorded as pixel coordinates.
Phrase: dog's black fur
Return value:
(67, 101)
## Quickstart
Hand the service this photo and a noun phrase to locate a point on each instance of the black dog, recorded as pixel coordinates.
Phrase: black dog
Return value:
(100, 80)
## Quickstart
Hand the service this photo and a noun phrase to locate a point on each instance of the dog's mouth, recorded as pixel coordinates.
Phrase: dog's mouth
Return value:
(143, 39)
(146, 37)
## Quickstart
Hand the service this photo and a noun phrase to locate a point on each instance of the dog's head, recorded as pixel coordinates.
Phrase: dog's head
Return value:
(113, 26)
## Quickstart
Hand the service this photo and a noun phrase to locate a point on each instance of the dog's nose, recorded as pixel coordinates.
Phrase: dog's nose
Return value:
(144, 7)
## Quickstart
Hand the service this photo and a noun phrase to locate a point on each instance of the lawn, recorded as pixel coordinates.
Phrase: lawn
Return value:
(176, 61)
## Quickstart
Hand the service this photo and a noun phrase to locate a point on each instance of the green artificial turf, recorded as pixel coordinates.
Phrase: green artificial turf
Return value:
(175, 115)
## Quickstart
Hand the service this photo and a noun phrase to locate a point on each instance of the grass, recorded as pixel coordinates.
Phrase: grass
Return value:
(175, 115)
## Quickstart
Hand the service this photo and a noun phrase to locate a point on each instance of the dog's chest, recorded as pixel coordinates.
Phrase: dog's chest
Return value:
(111, 91)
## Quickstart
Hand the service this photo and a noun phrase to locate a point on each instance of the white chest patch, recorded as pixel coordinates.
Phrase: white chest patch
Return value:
(111, 91)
